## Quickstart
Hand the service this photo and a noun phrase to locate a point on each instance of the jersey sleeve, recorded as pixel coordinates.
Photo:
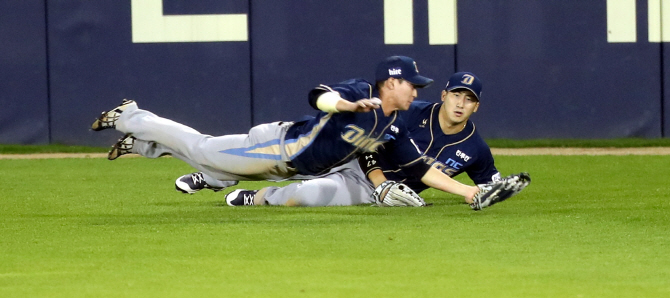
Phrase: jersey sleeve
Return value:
(484, 170)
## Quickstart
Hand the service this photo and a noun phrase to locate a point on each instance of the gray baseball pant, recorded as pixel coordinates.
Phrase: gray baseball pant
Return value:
(156, 136)
(344, 186)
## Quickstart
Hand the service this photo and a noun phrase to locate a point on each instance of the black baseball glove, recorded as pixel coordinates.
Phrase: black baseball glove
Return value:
(498, 191)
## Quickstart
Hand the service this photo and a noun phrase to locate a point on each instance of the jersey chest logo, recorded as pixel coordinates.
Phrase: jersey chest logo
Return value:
(357, 137)
(462, 155)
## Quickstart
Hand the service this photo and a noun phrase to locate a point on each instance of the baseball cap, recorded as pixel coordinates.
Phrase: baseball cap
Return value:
(401, 67)
(465, 80)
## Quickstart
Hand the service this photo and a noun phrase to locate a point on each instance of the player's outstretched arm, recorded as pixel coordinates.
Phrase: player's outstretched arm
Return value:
(436, 179)
(331, 102)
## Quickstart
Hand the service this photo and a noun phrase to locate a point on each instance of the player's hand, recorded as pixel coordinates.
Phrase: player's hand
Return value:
(362, 105)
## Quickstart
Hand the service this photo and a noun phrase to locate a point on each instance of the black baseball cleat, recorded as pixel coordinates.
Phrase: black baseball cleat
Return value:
(122, 147)
(108, 119)
(193, 183)
(241, 197)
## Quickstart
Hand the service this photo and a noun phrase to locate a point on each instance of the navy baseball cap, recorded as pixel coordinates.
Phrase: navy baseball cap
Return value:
(401, 67)
(465, 80)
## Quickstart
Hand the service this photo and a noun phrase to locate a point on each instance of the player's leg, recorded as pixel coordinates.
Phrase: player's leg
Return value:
(255, 156)
(190, 183)
(353, 187)
(309, 193)
(343, 188)
(316, 192)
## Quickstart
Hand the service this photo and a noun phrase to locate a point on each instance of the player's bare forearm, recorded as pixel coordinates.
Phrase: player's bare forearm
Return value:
(376, 177)
(438, 180)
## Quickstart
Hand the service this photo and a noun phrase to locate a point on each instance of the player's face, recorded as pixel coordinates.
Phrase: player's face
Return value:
(459, 105)
(404, 94)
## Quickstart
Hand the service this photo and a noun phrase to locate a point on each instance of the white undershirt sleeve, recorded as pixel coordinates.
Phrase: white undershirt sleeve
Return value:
(327, 102)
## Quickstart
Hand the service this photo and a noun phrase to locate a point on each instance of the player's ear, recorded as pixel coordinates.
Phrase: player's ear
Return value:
(476, 108)
(444, 95)
(384, 84)
(391, 83)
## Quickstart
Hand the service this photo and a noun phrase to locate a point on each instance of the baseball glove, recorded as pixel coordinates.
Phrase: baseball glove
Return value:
(499, 191)
(395, 194)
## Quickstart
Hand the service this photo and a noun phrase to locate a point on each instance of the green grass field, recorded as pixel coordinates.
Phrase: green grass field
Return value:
(493, 143)
(588, 226)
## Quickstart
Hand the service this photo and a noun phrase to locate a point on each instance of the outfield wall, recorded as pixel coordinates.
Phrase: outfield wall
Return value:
(551, 69)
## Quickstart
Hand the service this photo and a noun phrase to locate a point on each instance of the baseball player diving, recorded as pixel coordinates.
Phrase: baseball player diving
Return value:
(355, 117)
(442, 132)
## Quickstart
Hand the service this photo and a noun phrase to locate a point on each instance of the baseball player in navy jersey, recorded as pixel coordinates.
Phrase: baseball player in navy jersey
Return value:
(356, 117)
(454, 154)
(442, 132)
(445, 135)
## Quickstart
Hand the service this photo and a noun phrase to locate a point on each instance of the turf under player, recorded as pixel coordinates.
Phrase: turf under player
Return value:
(440, 131)
(350, 124)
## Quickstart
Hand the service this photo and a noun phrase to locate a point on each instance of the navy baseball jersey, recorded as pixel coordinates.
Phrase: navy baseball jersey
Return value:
(453, 154)
(317, 144)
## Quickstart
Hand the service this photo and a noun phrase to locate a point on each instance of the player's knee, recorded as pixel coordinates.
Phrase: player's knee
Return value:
(315, 194)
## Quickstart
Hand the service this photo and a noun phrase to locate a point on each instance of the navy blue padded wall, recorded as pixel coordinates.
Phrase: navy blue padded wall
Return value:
(94, 64)
(24, 117)
(549, 72)
(297, 45)
(547, 68)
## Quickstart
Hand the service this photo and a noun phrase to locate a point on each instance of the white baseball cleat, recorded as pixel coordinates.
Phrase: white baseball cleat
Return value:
(122, 147)
(108, 119)
(241, 197)
(192, 183)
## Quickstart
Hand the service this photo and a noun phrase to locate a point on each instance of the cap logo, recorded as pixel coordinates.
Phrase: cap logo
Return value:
(467, 79)
(395, 71)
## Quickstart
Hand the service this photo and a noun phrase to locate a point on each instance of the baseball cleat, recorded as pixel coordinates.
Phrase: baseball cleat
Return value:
(195, 182)
(498, 191)
(108, 119)
(122, 147)
(241, 197)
